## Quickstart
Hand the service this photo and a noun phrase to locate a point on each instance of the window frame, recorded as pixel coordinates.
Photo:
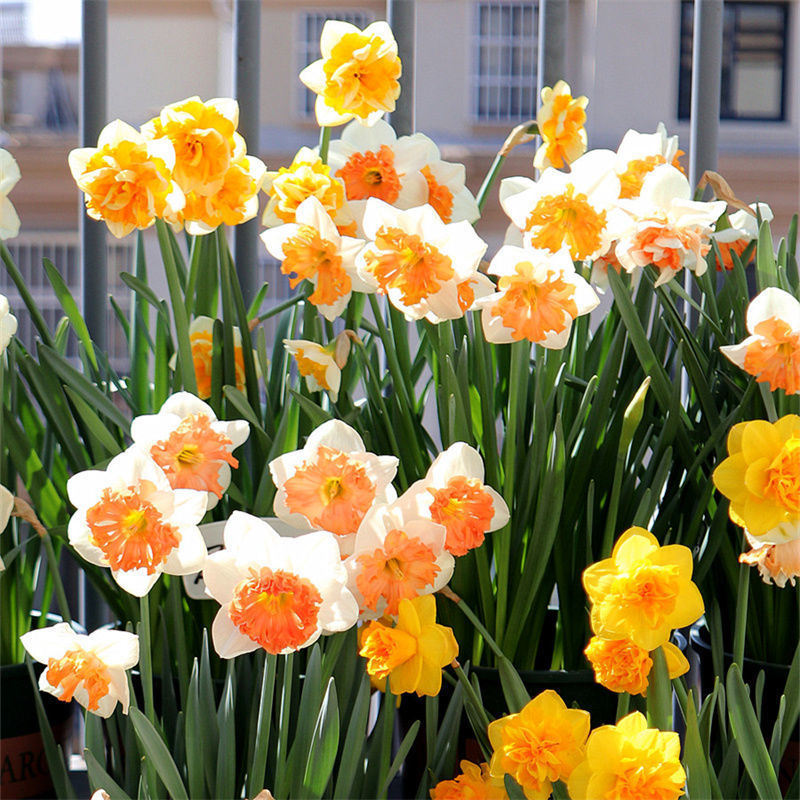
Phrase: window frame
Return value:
(480, 81)
(730, 60)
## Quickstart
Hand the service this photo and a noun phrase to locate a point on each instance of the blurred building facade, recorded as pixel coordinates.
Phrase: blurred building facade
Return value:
(475, 79)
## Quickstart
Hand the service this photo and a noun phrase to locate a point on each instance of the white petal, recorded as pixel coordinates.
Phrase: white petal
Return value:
(228, 640)
(773, 302)
(115, 648)
(737, 352)
(337, 435)
(222, 574)
(136, 581)
(458, 460)
(189, 555)
(45, 643)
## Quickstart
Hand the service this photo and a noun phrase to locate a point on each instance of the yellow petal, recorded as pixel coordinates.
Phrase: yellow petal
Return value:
(405, 678)
(676, 661)
(760, 440)
(735, 438)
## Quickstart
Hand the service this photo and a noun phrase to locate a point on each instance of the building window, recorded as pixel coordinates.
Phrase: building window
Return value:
(505, 53)
(311, 25)
(754, 60)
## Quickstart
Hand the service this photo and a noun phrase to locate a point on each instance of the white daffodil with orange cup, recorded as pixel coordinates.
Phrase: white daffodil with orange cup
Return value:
(668, 228)
(428, 269)
(277, 593)
(191, 445)
(90, 669)
(397, 554)
(538, 296)
(576, 209)
(453, 494)
(311, 248)
(132, 521)
(332, 482)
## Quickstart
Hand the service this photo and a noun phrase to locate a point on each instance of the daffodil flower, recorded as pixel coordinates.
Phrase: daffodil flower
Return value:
(669, 229)
(332, 482)
(8, 324)
(90, 669)
(413, 652)
(743, 230)
(622, 666)
(374, 162)
(305, 177)
(474, 782)
(131, 520)
(538, 295)
(127, 179)
(560, 119)
(776, 563)
(453, 494)
(396, 555)
(310, 248)
(575, 208)
(276, 593)
(761, 478)
(772, 351)
(357, 75)
(639, 154)
(427, 268)
(541, 744)
(191, 445)
(9, 175)
(635, 760)
(320, 365)
(643, 591)
(203, 136)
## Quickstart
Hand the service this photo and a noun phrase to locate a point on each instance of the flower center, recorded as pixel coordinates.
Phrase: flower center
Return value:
(277, 609)
(566, 218)
(386, 648)
(535, 752)
(531, 309)
(78, 667)
(406, 263)
(129, 529)
(361, 75)
(783, 475)
(638, 780)
(371, 174)
(631, 180)
(651, 590)
(465, 509)
(439, 196)
(775, 357)
(402, 569)
(192, 455)
(315, 259)
(333, 491)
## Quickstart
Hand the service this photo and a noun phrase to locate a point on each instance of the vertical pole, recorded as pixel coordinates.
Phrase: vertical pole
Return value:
(401, 16)
(551, 63)
(93, 72)
(706, 87)
(246, 71)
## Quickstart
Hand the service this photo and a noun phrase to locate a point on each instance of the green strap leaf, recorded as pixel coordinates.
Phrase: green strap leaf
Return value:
(156, 751)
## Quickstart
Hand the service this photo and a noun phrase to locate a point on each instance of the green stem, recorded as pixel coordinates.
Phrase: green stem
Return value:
(623, 705)
(145, 654)
(389, 705)
(740, 624)
(517, 389)
(470, 615)
(61, 595)
(324, 141)
(659, 693)
(491, 175)
(469, 691)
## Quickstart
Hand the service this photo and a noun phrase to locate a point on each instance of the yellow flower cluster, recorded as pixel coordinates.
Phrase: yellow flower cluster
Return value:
(639, 595)
(188, 166)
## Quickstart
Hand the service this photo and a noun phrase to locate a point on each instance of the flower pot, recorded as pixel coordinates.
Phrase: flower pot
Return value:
(24, 771)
